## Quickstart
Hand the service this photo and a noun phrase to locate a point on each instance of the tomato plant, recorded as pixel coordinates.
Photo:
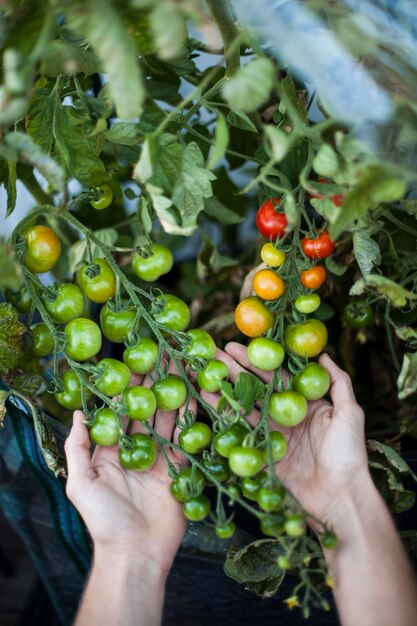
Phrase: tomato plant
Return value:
(112, 376)
(265, 354)
(314, 277)
(83, 339)
(212, 375)
(71, 397)
(141, 357)
(288, 408)
(313, 382)
(195, 438)
(268, 285)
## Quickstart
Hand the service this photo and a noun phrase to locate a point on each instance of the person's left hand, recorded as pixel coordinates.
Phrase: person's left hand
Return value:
(127, 512)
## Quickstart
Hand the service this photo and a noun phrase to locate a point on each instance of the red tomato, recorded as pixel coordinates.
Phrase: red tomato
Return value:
(318, 248)
(270, 223)
(337, 199)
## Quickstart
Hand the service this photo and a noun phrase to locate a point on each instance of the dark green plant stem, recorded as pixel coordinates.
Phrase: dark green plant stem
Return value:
(222, 14)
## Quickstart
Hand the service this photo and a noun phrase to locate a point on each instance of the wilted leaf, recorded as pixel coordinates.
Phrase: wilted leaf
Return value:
(250, 87)
(255, 566)
(386, 288)
(12, 334)
(407, 379)
(390, 455)
(367, 252)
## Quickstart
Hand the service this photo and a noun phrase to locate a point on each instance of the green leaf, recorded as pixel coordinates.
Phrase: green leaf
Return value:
(290, 209)
(210, 261)
(326, 208)
(101, 24)
(221, 213)
(40, 118)
(250, 87)
(221, 139)
(241, 120)
(168, 28)
(12, 333)
(393, 458)
(126, 133)
(11, 271)
(78, 250)
(334, 267)
(11, 187)
(367, 252)
(59, 58)
(407, 379)
(385, 287)
(279, 142)
(326, 162)
(249, 389)
(30, 152)
(255, 566)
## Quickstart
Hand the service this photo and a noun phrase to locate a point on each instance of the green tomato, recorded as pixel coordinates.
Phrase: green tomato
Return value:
(279, 447)
(84, 339)
(234, 492)
(252, 484)
(308, 303)
(225, 441)
(42, 339)
(226, 531)
(150, 268)
(68, 303)
(212, 375)
(295, 525)
(170, 393)
(20, 299)
(140, 402)
(105, 430)
(358, 314)
(265, 354)
(217, 468)
(271, 499)
(288, 408)
(187, 484)
(313, 382)
(329, 540)
(195, 438)
(141, 454)
(116, 325)
(307, 339)
(175, 314)
(112, 377)
(283, 562)
(105, 199)
(245, 461)
(196, 509)
(98, 287)
(273, 526)
(202, 345)
(71, 397)
(142, 357)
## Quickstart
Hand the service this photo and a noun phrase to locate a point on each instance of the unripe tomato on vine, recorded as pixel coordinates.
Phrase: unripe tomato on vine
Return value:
(269, 222)
(98, 283)
(105, 199)
(272, 256)
(150, 268)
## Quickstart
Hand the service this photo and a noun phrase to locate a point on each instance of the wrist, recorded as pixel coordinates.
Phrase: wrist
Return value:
(135, 565)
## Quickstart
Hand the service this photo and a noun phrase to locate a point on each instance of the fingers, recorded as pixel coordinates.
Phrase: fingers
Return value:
(341, 390)
(77, 449)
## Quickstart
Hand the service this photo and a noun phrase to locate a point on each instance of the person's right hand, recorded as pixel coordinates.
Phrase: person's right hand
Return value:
(326, 453)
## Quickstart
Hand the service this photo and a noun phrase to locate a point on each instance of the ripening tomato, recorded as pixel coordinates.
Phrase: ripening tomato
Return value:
(318, 248)
(70, 397)
(142, 357)
(140, 455)
(270, 223)
(43, 249)
(116, 324)
(288, 408)
(175, 314)
(84, 339)
(307, 339)
(152, 267)
(272, 256)
(265, 354)
(268, 285)
(313, 382)
(105, 199)
(314, 277)
(67, 304)
(97, 282)
(253, 318)
(308, 303)
(212, 375)
(42, 339)
(105, 430)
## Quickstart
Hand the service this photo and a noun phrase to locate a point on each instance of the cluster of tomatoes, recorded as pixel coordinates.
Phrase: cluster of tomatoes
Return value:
(225, 453)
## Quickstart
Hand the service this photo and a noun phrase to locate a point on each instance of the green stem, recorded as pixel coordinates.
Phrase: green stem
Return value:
(229, 32)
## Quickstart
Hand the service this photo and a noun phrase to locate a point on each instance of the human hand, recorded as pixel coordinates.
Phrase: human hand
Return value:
(128, 513)
(326, 453)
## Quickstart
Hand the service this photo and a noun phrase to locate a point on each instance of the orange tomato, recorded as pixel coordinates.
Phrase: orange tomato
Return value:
(313, 278)
(268, 285)
(253, 318)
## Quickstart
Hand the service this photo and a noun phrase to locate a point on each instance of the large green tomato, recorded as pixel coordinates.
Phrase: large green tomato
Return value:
(117, 324)
(202, 345)
(105, 430)
(188, 484)
(142, 357)
(307, 339)
(140, 402)
(42, 339)
(278, 445)
(271, 499)
(217, 469)
(265, 354)
(170, 393)
(288, 408)
(150, 268)
(225, 441)
(112, 377)
(313, 382)
(68, 303)
(100, 287)
(175, 314)
(71, 397)
(84, 339)
(212, 375)
(196, 509)
(245, 461)
(141, 455)
(195, 438)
